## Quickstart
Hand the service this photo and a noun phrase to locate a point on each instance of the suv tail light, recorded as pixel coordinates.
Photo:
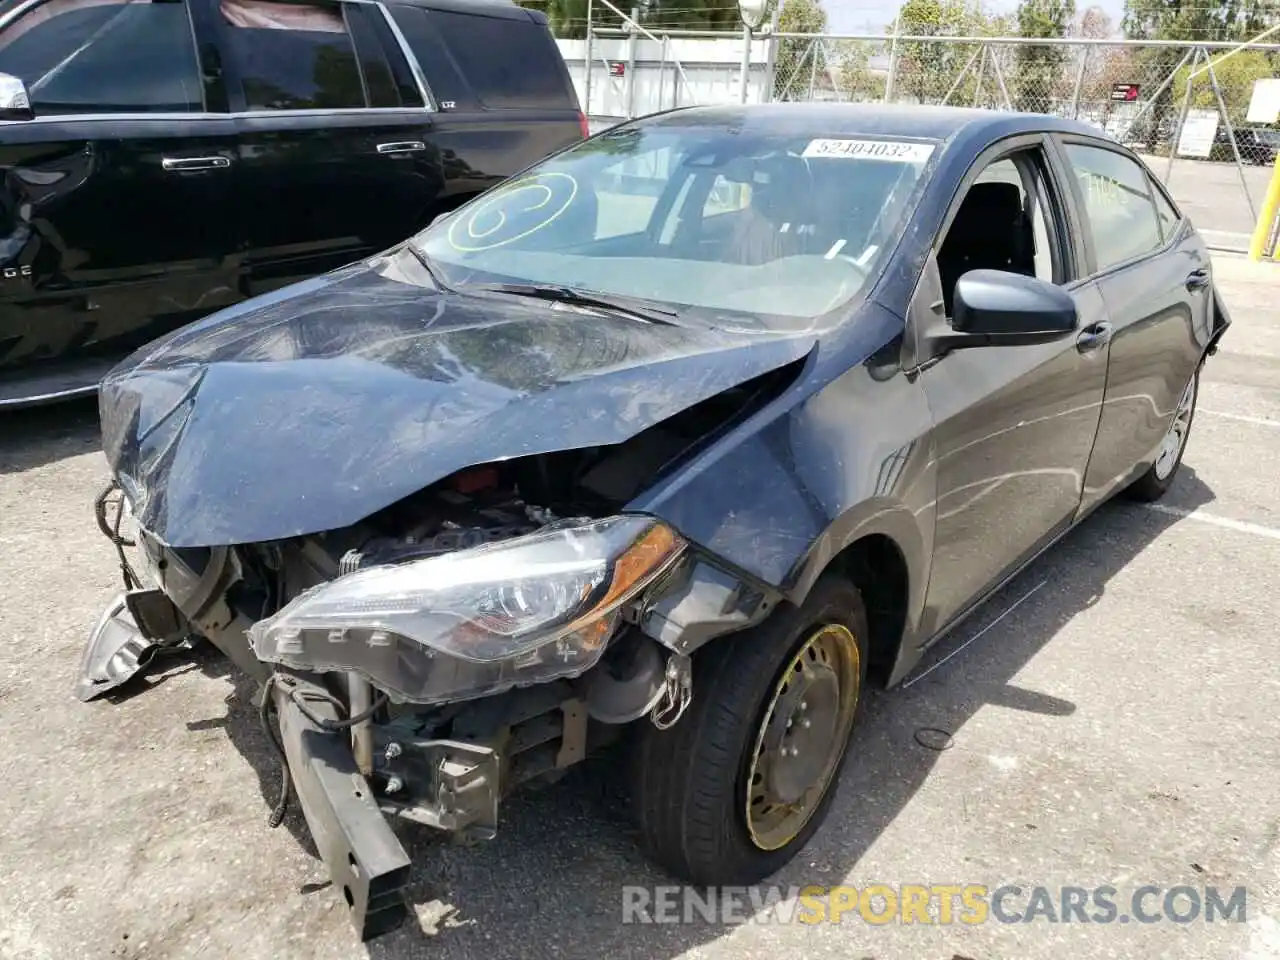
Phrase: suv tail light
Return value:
(583, 125)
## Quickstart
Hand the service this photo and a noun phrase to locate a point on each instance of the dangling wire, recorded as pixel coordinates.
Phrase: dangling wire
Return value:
(281, 806)
(300, 698)
(111, 530)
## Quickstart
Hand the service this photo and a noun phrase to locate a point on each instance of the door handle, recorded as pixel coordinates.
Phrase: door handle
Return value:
(1094, 338)
(402, 146)
(182, 164)
(1198, 279)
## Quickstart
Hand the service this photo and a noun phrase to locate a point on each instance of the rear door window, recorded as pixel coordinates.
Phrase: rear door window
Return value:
(293, 56)
(507, 62)
(90, 56)
(1117, 202)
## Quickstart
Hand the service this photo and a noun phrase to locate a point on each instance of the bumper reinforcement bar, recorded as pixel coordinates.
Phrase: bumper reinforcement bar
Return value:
(365, 859)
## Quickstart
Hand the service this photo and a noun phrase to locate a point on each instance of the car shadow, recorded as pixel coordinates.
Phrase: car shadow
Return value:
(35, 436)
(551, 884)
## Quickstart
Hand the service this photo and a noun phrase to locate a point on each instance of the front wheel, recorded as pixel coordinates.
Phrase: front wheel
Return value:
(1153, 484)
(736, 788)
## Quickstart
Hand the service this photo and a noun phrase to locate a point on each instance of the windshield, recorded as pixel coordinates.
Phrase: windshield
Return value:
(740, 229)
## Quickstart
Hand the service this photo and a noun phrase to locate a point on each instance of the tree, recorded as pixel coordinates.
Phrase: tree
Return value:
(1235, 74)
(569, 17)
(1039, 70)
(1107, 67)
(1195, 20)
(1094, 24)
(690, 14)
(798, 60)
(1189, 20)
(1096, 67)
(928, 70)
(855, 79)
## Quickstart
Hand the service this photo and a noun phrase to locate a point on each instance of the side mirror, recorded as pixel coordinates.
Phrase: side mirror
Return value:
(14, 102)
(993, 308)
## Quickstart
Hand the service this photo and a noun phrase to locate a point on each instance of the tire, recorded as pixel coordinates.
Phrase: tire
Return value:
(1155, 483)
(692, 781)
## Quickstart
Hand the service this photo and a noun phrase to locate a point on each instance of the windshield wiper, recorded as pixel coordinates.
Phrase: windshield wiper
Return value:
(584, 298)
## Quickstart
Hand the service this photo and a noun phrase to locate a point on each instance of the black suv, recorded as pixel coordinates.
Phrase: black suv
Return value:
(165, 158)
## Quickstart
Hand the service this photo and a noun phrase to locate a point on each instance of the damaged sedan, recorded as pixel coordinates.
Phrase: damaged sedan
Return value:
(677, 440)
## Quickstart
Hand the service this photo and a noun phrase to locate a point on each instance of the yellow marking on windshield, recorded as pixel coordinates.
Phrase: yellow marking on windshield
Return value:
(477, 231)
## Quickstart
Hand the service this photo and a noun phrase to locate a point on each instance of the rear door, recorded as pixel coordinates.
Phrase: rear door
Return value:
(1154, 274)
(1014, 424)
(115, 221)
(337, 157)
(504, 92)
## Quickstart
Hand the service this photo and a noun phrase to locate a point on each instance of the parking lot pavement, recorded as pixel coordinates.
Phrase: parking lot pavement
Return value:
(1212, 194)
(1117, 726)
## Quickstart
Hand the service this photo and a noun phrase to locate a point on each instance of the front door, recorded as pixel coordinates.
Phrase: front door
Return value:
(1014, 425)
(114, 222)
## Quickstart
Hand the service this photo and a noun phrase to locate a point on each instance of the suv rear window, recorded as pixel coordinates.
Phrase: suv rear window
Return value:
(504, 61)
(508, 63)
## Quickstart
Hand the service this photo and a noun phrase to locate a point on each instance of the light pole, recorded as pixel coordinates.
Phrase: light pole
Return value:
(752, 13)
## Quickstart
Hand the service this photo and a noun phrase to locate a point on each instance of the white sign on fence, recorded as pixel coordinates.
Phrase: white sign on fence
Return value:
(1264, 104)
(1197, 133)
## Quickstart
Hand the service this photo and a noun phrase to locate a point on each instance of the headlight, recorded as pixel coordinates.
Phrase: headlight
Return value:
(477, 621)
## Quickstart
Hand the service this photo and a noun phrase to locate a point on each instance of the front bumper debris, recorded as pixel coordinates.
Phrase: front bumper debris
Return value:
(116, 651)
(449, 785)
(366, 862)
(134, 627)
(459, 792)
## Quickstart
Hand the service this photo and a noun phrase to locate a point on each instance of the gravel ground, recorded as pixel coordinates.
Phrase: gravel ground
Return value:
(1118, 726)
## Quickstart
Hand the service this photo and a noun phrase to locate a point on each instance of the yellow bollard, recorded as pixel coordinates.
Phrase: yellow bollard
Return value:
(1267, 216)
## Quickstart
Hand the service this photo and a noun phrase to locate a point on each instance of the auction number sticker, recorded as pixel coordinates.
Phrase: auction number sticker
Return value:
(900, 151)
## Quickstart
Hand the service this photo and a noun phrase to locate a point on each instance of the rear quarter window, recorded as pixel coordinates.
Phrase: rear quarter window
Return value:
(507, 62)
(1165, 210)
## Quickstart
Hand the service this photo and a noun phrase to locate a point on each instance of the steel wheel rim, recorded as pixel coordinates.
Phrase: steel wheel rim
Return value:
(810, 711)
(1176, 436)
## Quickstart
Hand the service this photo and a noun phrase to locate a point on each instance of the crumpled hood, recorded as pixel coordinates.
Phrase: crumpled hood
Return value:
(314, 407)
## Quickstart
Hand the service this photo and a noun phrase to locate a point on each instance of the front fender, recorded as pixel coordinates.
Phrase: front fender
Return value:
(844, 454)
(873, 518)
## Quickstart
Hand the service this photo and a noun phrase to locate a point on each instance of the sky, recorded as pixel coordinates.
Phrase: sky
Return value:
(872, 16)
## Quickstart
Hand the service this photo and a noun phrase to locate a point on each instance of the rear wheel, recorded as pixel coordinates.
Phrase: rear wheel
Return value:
(1153, 484)
(733, 791)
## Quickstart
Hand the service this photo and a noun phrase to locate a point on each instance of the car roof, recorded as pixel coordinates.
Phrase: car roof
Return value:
(893, 119)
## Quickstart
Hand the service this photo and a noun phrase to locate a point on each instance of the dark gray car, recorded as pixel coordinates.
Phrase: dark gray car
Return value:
(684, 435)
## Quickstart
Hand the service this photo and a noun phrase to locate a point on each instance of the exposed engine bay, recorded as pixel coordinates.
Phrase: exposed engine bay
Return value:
(478, 636)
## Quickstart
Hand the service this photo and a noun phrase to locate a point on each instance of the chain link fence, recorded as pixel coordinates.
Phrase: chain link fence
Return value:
(1184, 107)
